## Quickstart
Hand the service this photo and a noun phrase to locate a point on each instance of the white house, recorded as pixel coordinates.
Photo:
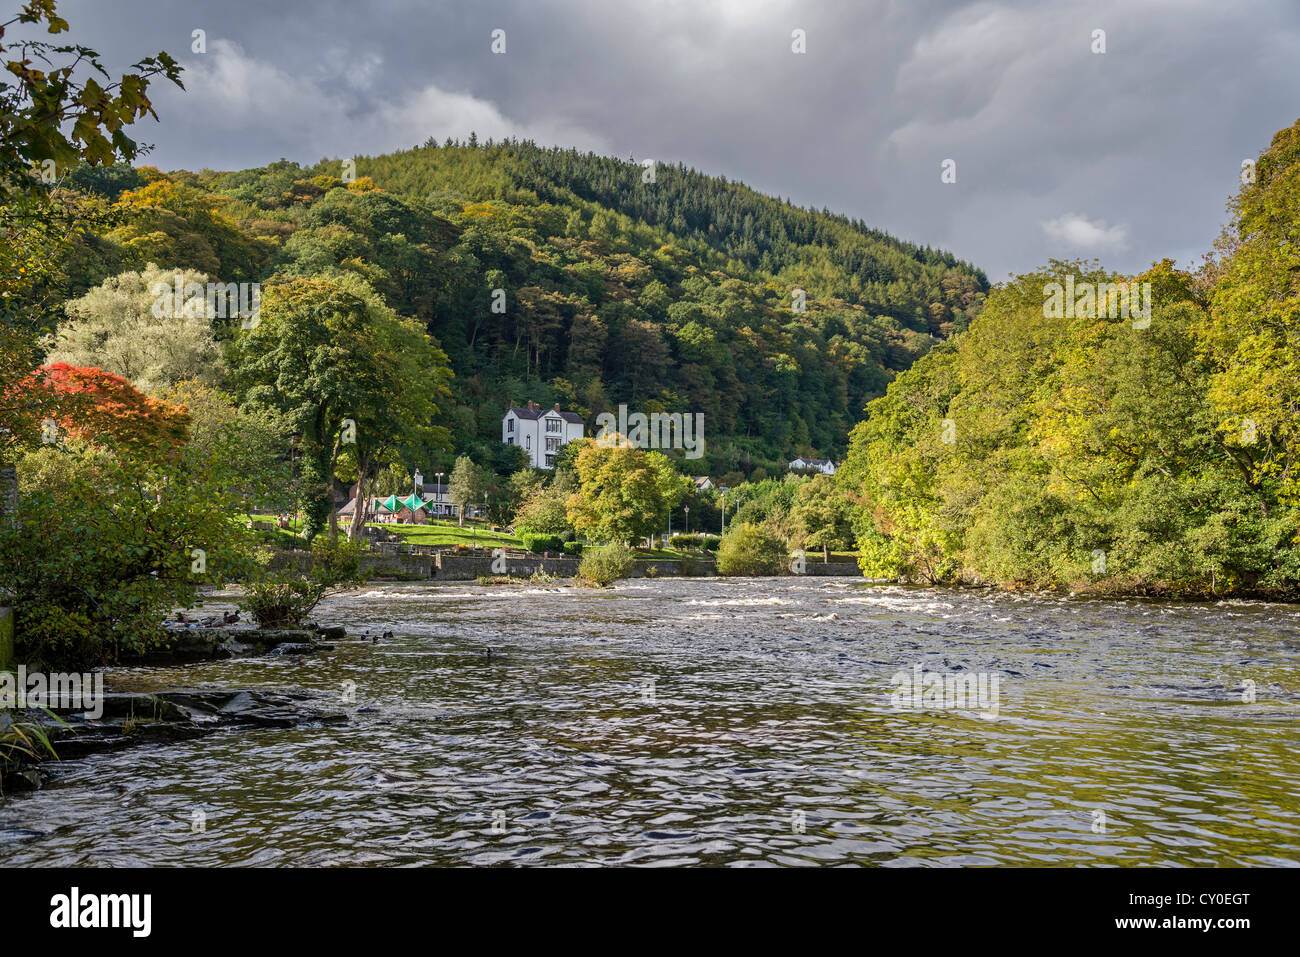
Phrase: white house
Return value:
(825, 466)
(540, 433)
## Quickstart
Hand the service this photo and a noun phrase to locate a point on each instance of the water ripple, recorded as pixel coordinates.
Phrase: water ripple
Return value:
(740, 723)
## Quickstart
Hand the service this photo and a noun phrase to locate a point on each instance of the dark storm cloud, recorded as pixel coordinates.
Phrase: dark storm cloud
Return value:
(1128, 156)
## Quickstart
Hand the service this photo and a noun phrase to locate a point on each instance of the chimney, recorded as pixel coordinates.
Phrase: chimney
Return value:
(557, 407)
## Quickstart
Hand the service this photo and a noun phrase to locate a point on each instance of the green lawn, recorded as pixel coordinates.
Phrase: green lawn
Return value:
(474, 533)
(451, 534)
(441, 534)
(671, 554)
(284, 538)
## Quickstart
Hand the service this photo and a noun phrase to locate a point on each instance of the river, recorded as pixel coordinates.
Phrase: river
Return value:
(722, 722)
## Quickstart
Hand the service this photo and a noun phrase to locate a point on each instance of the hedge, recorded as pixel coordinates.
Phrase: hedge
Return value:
(541, 543)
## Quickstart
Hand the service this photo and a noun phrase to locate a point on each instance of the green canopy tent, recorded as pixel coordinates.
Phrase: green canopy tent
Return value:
(413, 502)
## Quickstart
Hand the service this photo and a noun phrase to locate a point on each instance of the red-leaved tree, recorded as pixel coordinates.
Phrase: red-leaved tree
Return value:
(106, 409)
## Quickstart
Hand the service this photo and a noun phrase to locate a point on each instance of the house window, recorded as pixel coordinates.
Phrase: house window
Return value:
(552, 444)
(510, 440)
(510, 425)
(528, 442)
(550, 461)
(552, 425)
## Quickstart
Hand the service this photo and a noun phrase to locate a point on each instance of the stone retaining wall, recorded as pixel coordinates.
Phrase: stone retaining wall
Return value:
(450, 566)
(459, 568)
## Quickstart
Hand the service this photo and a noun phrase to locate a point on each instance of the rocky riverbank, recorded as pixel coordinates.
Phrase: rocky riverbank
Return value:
(134, 718)
(189, 642)
(129, 718)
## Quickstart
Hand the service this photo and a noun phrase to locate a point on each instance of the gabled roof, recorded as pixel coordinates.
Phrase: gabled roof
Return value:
(543, 413)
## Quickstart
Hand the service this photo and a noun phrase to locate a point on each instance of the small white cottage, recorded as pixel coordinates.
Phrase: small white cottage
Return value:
(825, 466)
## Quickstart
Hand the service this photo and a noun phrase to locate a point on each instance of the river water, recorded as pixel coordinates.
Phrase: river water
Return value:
(737, 722)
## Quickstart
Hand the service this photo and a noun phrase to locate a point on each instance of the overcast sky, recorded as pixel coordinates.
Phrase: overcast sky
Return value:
(1127, 156)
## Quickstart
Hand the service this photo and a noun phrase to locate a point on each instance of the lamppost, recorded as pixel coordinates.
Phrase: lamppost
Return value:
(723, 530)
(687, 510)
(437, 497)
(419, 485)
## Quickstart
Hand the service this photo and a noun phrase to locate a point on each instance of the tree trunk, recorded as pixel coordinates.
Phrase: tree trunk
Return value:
(329, 486)
(360, 503)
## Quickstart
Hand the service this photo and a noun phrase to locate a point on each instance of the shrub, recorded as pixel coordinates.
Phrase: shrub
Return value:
(607, 564)
(95, 561)
(23, 741)
(707, 542)
(543, 512)
(285, 599)
(573, 548)
(541, 543)
(281, 601)
(749, 549)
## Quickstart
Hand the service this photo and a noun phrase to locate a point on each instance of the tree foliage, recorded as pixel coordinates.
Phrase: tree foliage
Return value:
(96, 559)
(125, 327)
(623, 493)
(678, 297)
(1084, 451)
(749, 549)
(339, 367)
(105, 408)
(466, 485)
(59, 103)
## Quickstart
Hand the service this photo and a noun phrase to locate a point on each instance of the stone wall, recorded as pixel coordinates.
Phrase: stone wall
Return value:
(458, 568)
(470, 566)
(692, 568)
(391, 565)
